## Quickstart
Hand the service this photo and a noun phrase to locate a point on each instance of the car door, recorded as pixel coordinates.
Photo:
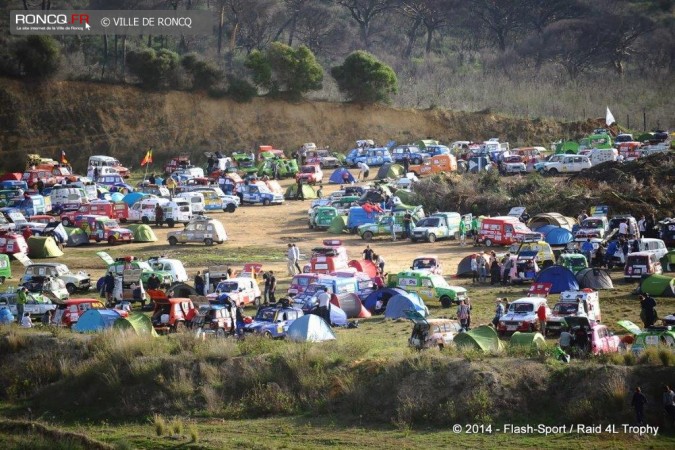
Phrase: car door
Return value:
(426, 292)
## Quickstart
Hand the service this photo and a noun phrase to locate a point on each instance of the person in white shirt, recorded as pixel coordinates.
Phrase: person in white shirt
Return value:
(290, 256)
(623, 228)
(642, 225)
(26, 321)
(296, 257)
(324, 305)
(364, 171)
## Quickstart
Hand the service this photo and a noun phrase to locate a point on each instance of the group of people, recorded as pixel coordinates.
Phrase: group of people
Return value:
(292, 259)
(377, 259)
(499, 270)
(639, 401)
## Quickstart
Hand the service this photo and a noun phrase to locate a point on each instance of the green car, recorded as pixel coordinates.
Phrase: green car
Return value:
(382, 227)
(5, 268)
(649, 337)
(244, 162)
(8, 196)
(322, 218)
(118, 266)
(428, 286)
(573, 261)
(286, 167)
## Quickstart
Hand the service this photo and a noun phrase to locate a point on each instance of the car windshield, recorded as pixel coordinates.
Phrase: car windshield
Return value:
(300, 281)
(566, 308)
(438, 281)
(227, 286)
(110, 224)
(592, 223)
(424, 263)
(429, 222)
(637, 260)
(266, 315)
(308, 169)
(521, 307)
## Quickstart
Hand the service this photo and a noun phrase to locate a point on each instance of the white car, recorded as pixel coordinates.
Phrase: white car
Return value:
(173, 266)
(74, 282)
(522, 315)
(241, 290)
(567, 164)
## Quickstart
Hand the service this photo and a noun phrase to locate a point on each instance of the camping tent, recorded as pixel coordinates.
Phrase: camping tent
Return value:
(464, 267)
(310, 328)
(181, 290)
(337, 316)
(594, 278)
(337, 226)
(133, 197)
(558, 236)
(76, 236)
(139, 323)
(337, 176)
(307, 190)
(351, 304)
(392, 171)
(481, 338)
(659, 285)
(365, 266)
(43, 247)
(561, 279)
(143, 233)
(551, 218)
(381, 294)
(404, 195)
(544, 229)
(117, 197)
(6, 316)
(528, 340)
(398, 304)
(94, 320)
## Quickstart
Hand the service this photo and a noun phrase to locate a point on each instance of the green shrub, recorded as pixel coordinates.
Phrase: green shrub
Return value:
(240, 90)
(155, 69)
(160, 425)
(38, 56)
(205, 74)
(364, 79)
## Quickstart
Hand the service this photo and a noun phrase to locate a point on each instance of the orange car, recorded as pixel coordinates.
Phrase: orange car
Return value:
(172, 314)
(434, 164)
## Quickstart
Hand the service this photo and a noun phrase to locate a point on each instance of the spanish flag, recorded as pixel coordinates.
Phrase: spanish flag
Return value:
(148, 158)
(64, 160)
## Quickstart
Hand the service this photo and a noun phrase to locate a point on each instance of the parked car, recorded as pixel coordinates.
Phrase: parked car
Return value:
(74, 282)
(118, 265)
(412, 152)
(437, 226)
(241, 291)
(654, 336)
(593, 227)
(567, 164)
(101, 228)
(573, 261)
(37, 305)
(200, 229)
(430, 263)
(322, 217)
(428, 286)
(585, 303)
(259, 194)
(590, 337)
(430, 333)
(113, 210)
(213, 320)
(310, 174)
(639, 264)
(382, 226)
(69, 312)
(522, 315)
(5, 268)
(174, 267)
(370, 156)
(322, 157)
(513, 164)
(503, 230)
(173, 314)
(273, 321)
(300, 282)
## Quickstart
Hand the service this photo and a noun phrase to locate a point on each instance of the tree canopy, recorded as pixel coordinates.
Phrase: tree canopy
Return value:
(365, 79)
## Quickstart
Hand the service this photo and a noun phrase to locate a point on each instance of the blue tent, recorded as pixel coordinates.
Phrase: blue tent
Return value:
(558, 236)
(544, 230)
(337, 176)
(337, 316)
(6, 316)
(310, 328)
(117, 197)
(400, 303)
(133, 197)
(381, 294)
(95, 320)
(561, 278)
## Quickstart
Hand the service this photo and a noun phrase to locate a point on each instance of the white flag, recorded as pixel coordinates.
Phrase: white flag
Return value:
(609, 118)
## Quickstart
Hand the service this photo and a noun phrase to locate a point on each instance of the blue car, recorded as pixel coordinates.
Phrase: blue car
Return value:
(414, 154)
(358, 216)
(370, 156)
(433, 150)
(273, 321)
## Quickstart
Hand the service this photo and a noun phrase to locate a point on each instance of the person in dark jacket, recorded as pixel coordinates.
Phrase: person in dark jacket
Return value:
(108, 287)
(199, 283)
(638, 403)
(495, 272)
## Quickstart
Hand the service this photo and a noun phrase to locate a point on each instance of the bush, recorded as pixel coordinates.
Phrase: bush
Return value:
(205, 75)
(155, 70)
(240, 90)
(283, 71)
(364, 79)
(38, 56)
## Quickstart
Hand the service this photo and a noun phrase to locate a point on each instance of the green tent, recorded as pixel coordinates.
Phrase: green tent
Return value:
(392, 171)
(76, 236)
(658, 285)
(143, 233)
(406, 197)
(140, 323)
(43, 247)
(338, 225)
(481, 338)
(528, 340)
(307, 190)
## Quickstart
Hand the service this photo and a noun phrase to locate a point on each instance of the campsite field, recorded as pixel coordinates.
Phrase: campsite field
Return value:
(260, 234)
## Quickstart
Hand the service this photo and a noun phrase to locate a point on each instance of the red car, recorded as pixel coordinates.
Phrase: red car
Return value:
(113, 210)
(11, 243)
(311, 173)
(69, 312)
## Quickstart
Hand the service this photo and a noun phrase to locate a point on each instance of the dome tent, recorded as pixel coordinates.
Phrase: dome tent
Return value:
(76, 237)
(519, 339)
(544, 229)
(551, 218)
(310, 328)
(43, 247)
(658, 285)
(139, 323)
(351, 304)
(95, 320)
(594, 278)
(337, 177)
(142, 233)
(483, 338)
(337, 226)
(384, 294)
(464, 266)
(308, 192)
(400, 303)
(561, 279)
(558, 236)
(393, 171)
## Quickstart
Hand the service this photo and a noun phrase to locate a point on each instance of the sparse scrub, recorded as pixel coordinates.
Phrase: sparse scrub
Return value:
(194, 433)
(159, 425)
(479, 406)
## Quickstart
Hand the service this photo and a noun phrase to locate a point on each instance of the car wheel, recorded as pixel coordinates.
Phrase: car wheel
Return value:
(230, 207)
(145, 220)
(173, 241)
(311, 227)
(266, 202)
(417, 161)
(180, 327)
(553, 172)
(488, 242)
(208, 242)
(112, 240)
(268, 335)
(431, 237)
(413, 239)
(446, 302)
(72, 289)
(123, 220)
(170, 223)
(220, 333)
(2, 280)
(456, 236)
(368, 236)
(66, 223)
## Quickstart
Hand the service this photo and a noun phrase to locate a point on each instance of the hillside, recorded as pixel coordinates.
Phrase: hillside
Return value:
(88, 118)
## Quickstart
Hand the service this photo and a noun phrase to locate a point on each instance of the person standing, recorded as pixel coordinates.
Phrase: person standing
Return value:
(296, 257)
(462, 233)
(379, 260)
(273, 287)
(21, 298)
(463, 315)
(406, 164)
(669, 404)
(151, 179)
(623, 230)
(474, 230)
(290, 260)
(499, 312)
(159, 215)
(392, 226)
(300, 195)
(506, 269)
(639, 401)
(642, 225)
(199, 283)
(266, 291)
(541, 316)
(364, 171)
(648, 310)
(324, 305)
(109, 287)
(482, 268)
(587, 250)
(495, 272)
(368, 253)
(407, 224)
(474, 269)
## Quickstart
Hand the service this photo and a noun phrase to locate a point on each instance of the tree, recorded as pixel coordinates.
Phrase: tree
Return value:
(205, 74)
(156, 69)
(499, 17)
(364, 79)
(38, 56)
(432, 14)
(364, 12)
(281, 70)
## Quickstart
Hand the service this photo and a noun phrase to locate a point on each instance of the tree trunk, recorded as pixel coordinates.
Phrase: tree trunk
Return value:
(412, 35)
(221, 23)
(365, 31)
(291, 32)
(233, 42)
(430, 34)
(115, 58)
(124, 58)
(105, 55)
